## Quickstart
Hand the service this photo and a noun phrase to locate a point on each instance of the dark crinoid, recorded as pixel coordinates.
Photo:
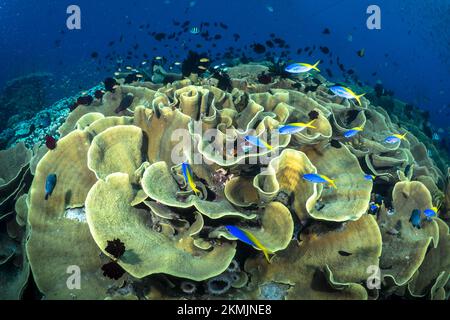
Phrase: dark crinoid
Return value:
(113, 270)
(277, 69)
(313, 114)
(224, 80)
(191, 64)
(116, 248)
(264, 78)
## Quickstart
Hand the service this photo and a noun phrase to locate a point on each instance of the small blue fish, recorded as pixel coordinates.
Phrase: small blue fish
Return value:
(346, 93)
(50, 184)
(373, 207)
(258, 142)
(297, 68)
(249, 239)
(415, 218)
(238, 233)
(369, 177)
(430, 213)
(395, 138)
(352, 132)
(319, 178)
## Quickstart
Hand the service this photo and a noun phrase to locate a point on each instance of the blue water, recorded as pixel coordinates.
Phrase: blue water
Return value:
(410, 54)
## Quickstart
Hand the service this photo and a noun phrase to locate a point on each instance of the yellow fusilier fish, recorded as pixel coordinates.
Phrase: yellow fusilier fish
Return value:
(346, 93)
(353, 132)
(203, 60)
(297, 68)
(256, 141)
(292, 128)
(187, 174)
(395, 138)
(248, 238)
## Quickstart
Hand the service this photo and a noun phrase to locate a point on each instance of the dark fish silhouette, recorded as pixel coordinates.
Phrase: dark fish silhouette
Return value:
(259, 48)
(125, 103)
(85, 100)
(110, 83)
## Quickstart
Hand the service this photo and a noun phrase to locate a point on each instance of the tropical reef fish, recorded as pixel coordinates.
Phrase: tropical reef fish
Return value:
(125, 103)
(369, 177)
(430, 213)
(110, 84)
(248, 238)
(258, 142)
(346, 93)
(50, 184)
(395, 138)
(415, 218)
(373, 207)
(361, 53)
(292, 128)
(319, 178)
(353, 132)
(297, 68)
(187, 174)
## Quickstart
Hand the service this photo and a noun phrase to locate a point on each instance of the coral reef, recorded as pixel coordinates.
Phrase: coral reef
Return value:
(120, 164)
(22, 97)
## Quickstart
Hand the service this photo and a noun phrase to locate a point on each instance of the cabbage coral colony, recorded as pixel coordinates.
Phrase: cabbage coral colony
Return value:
(248, 214)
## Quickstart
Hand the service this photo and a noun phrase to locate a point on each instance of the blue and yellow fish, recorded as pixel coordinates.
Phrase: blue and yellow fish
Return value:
(369, 177)
(248, 238)
(374, 207)
(319, 178)
(346, 93)
(258, 142)
(353, 132)
(430, 213)
(415, 218)
(50, 184)
(295, 127)
(297, 68)
(188, 177)
(395, 138)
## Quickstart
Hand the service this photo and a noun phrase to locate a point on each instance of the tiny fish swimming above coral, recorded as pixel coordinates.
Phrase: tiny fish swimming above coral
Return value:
(170, 191)
(191, 151)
